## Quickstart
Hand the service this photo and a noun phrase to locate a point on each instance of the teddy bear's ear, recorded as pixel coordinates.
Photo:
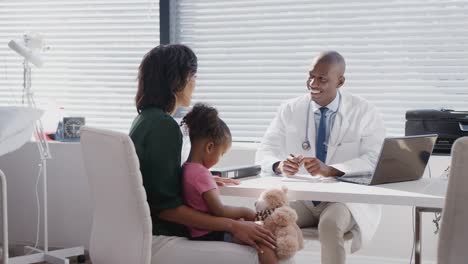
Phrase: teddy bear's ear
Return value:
(284, 189)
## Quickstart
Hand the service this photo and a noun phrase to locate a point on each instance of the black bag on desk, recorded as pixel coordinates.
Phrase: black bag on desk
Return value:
(448, 124)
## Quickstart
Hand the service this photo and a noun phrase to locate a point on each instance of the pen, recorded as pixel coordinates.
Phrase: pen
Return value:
(296, 159)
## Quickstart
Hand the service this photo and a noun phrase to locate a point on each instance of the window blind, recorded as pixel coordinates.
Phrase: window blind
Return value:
(253, 55)
(91, 66)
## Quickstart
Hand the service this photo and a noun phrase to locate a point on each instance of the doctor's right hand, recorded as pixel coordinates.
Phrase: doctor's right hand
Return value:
(290, 166)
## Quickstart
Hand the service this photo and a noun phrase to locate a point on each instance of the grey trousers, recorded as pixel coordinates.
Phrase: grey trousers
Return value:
(333, 220)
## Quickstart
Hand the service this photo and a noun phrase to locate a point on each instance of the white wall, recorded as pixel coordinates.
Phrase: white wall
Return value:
(70, 205)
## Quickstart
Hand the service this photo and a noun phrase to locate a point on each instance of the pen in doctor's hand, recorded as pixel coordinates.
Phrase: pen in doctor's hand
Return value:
(297, 160)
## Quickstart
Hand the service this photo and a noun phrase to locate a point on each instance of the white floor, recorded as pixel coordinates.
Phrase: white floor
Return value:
(310, 255)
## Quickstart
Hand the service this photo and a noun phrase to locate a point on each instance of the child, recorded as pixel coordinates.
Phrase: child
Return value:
(211, 139)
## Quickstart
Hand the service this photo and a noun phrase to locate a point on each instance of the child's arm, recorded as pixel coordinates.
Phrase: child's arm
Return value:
(217, 208)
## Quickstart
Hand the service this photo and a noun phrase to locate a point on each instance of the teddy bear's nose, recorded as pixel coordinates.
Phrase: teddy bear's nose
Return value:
(255, 203)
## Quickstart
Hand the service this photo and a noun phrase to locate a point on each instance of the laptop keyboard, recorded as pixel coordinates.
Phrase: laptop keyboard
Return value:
(360, 180)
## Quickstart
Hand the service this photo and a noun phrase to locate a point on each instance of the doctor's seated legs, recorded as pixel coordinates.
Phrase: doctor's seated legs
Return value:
(333, 220)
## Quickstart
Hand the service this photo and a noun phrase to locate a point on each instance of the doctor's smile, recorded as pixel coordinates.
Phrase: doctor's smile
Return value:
(313, 91)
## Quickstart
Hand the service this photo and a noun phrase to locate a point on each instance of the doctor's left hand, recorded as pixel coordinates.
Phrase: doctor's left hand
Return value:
(316, 167)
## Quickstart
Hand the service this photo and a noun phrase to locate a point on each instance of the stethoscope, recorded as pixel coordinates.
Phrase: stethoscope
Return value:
(306, 143)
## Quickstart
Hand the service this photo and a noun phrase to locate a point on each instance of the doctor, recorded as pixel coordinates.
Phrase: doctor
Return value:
(327, 132)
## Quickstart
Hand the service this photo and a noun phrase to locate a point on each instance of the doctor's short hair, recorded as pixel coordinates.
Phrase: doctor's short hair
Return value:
(203, 122)
(163, 72)
(332, 57)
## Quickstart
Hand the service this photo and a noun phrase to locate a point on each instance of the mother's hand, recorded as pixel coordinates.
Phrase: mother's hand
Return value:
(253, 235)
(225, 181)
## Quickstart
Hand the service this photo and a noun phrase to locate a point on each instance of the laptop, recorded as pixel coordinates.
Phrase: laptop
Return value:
(400, 159)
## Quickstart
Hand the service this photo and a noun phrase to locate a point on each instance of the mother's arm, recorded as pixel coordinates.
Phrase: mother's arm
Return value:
(247, 232)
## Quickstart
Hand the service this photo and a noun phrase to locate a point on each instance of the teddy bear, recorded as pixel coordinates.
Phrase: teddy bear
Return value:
(274, 213)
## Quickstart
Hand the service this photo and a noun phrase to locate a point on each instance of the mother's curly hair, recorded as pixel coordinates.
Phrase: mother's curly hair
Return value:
(163, 72)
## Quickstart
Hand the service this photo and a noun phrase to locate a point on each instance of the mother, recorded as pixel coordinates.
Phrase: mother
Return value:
(166, 80)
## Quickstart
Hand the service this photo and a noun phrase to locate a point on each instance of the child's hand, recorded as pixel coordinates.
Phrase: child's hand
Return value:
(225, 181)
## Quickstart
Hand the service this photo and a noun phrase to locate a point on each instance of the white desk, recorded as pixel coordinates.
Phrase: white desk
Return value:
(426, 195)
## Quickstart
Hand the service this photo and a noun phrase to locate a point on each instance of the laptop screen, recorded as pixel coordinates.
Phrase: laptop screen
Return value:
(403, 158)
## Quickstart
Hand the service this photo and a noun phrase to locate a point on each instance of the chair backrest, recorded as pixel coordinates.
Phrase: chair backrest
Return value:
(122, 229)
(454, 229)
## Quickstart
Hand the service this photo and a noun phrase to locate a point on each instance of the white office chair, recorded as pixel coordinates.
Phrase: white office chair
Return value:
(121, 231)
(454, 229)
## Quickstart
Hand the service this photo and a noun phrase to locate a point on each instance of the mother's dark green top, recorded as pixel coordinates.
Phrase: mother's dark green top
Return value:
(158, 143)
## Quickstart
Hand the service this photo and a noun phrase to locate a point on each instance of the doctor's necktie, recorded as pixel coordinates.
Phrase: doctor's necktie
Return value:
(320, 147)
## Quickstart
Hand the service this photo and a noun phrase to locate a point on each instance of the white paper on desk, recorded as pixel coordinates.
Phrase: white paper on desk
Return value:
(308, 178)
(438, 187)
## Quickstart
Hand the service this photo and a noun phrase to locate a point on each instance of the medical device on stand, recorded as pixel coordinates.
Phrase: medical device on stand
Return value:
(29, 48)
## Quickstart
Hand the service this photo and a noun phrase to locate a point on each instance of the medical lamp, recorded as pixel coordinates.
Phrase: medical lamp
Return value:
(29, 48)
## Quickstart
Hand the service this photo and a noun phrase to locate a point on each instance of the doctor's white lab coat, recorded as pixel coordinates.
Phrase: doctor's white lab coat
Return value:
(354, 145)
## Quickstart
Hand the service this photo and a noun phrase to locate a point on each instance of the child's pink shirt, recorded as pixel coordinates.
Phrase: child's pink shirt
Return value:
(196, 180)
